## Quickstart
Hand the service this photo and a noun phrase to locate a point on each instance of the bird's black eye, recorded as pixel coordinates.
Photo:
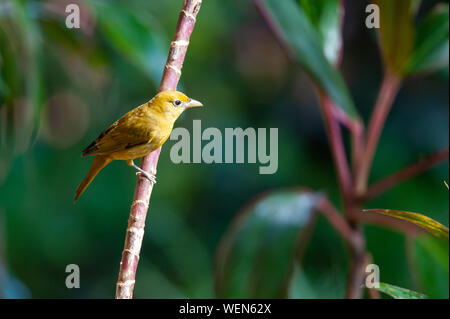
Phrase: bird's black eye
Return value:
(177, 102)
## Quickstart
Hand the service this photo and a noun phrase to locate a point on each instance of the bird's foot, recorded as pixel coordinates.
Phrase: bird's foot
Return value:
(148, 176)
(142, 173)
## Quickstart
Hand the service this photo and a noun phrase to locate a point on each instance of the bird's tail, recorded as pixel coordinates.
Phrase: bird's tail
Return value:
(98, 163)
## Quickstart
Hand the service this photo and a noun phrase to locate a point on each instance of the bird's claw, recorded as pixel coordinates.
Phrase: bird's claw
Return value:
(148, 176)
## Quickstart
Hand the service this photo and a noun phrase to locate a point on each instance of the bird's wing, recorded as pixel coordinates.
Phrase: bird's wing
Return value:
(133, 129)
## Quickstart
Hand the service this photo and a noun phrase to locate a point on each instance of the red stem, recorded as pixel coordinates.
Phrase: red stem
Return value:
(386, 95)
(357, 273)
(405, 174)
(357, 134)
(337, 147)
(351, 231)
(341, 225)
(372, 292)
(356, 128)
(143, 190)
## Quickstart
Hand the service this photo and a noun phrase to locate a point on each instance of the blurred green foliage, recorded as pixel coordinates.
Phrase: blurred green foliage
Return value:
(60, 87)
(305, 38)
(255, 255)
(400, 293)
(397, 32)
(431, 41)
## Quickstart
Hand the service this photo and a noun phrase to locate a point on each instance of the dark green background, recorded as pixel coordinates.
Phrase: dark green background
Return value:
(90, 77)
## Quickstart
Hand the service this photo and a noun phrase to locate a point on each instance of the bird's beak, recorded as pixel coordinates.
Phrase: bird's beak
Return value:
(193, 103)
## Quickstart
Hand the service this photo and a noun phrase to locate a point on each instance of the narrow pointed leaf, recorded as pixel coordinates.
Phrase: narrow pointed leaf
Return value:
(34, 73)
(399, 293)
(27, 84)
(130, 33)
(431, 45)
(325, 16)
(396, 33)
(420, 220)
(295, 30)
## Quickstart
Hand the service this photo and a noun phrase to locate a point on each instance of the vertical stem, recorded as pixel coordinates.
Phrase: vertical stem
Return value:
(356, 242)
(337, 148)
(143, 190)
(386, 95)
(340, 224)
(359, 261)
(357, 135)
(356, 129)
(389, 88)
(373, 292)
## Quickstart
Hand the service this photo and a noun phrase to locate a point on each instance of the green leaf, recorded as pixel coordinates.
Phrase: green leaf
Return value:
(325, 16)
(431, 42)
(396, 33)
(300, 286)
(399, 293)
(34, 77)
(135, 36)
(255, 255)
(432, 264)
(304, 284)
(297, 32)
(420, 220)
(30, 56)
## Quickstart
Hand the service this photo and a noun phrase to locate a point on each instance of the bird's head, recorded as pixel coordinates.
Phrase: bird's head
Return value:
(172, 103)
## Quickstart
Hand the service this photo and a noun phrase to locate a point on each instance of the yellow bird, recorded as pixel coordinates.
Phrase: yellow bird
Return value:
(136, 134)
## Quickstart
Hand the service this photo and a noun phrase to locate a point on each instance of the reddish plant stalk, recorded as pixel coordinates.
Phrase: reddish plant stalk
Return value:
(337, 147)
(339, 223)
(389, 88)
(362, 163)
(358, 256)
(143, 190)
(357, 136)
(357, 273)
(356, 128)
(350, 230)
(372, 292)
(404, 174)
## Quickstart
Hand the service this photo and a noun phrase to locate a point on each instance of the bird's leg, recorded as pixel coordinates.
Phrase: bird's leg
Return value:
(140, 171)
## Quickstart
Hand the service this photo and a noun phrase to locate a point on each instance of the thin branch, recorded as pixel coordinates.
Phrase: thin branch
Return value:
(357, 135)
(356, 128)
(386, 95)
(337, 147)
(357, 271)
(339, 222)
(404, 174)
(355, 239)
(372, 292)
(348, 227)
(143, 190)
